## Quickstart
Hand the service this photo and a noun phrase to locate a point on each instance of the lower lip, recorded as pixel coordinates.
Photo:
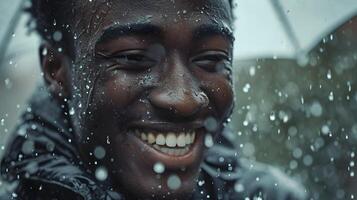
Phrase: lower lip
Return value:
(151, 155)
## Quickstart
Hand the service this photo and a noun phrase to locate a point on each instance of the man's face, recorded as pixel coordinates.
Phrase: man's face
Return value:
(147, 76)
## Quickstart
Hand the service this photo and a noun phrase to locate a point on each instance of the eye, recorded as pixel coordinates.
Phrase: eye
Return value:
(212, 61)
(136, 60)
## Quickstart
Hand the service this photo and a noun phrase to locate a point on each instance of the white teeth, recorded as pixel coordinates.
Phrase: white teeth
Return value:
(193, 135)
(160, 139)
(171, 140)
(172, 151)
(181, 140)
(169, 143)
(143, 136)
(188, 138)
(151, 138)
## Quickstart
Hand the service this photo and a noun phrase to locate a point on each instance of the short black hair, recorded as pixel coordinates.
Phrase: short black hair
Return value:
(49, 16)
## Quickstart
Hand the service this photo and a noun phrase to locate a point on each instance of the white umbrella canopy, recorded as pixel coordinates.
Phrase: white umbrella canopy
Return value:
(286, 28)
(264, 28)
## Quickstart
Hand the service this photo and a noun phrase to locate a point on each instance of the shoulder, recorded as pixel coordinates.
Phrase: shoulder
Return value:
(238, 178)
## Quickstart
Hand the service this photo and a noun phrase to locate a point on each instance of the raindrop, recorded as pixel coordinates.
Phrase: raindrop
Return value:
(329, 75)
(352, 164)
(101, 173)
(238, 187)
(252, 71)
(57, 36)
(272, 116)
(245, 123)
(99, 152)
(174, 182)
(331, 97)
(293, 164)
(71, 111)
(208, 140)
(44, 51)
(22, 132)
(246, 88)
(8, 83)
(325, 129)
(159, 168)
(200, 183)
(108, 140)
(316, 109)
(307, 160)
(349, 86)
(211, 124)
(50, 146)
(28, 147)
(297, 153)
(331, 37)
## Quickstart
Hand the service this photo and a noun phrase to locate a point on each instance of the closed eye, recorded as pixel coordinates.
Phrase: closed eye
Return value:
(211, 60)
(130, 60)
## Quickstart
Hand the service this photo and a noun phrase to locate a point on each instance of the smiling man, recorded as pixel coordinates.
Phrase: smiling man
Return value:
(135, 90)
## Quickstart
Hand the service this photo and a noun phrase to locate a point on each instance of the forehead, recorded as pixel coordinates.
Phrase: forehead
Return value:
(103, 13)
(93, 18)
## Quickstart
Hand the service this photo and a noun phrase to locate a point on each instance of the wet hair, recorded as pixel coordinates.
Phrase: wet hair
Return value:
(49, 17)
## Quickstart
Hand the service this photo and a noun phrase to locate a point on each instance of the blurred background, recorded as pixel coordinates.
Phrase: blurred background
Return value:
(295, 81)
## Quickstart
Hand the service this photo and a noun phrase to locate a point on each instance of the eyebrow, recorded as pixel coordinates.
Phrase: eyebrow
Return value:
(206, 30)
(116, 31)
(203, 30)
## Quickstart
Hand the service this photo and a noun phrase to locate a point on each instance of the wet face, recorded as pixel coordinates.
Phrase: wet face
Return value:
(146, 77)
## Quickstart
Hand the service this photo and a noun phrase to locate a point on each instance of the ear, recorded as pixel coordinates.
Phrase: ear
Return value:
(55, 66)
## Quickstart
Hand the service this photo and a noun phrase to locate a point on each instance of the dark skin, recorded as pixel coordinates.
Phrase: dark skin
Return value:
(154, 66)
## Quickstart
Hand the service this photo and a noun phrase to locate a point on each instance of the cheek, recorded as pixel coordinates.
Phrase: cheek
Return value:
(220, 92)
(117, 90)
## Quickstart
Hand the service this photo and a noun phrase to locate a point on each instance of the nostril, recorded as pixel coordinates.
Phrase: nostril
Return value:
(181, 102)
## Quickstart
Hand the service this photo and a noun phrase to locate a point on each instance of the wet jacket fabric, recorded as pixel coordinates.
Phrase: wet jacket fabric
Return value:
(41, 162)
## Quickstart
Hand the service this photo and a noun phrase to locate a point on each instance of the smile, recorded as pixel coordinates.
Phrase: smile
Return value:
(170, 143)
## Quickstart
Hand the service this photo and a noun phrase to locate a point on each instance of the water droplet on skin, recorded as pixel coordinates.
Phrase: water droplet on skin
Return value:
(101, 173)
(159, 168)
(174, 182)
(108, 140)
(200, 183)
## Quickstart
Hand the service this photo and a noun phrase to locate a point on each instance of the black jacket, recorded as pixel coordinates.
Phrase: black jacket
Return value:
(41, 161)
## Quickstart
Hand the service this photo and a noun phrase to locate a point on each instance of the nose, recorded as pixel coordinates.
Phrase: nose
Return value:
(178, 93)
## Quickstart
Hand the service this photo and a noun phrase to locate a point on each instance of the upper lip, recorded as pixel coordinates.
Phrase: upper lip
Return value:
(161, 126)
